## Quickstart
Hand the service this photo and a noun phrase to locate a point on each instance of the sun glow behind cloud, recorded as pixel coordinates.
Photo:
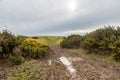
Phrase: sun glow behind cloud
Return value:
(36, 17)
(72, 5)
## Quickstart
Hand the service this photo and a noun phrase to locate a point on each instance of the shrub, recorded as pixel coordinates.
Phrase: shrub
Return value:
(34, 49)
(16, 57)
(7, 42)
(17, 51)
(35, 37)
(117, 56)
(39, 53)
(16, 60)
(116, 49)
(1, 49)
(104, 41)
(89, 43)
(20, 39)
(72, 41)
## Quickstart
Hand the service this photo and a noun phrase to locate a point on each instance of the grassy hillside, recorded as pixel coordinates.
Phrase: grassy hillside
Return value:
(47, 39)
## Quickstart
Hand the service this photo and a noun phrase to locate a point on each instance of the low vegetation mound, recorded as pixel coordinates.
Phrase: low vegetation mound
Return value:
(34, 49)
(35, 37)
(72, 41)
(8, 42)
(18, 48)
(104, 41)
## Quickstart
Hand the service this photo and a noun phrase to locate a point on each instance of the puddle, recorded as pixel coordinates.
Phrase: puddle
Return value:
(50, 62)
(66, 62)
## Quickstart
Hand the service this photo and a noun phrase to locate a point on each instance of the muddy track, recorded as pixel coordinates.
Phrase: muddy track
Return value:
(88, 69)
(66, 65)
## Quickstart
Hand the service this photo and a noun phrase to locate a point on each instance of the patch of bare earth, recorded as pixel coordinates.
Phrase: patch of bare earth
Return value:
(89, 69)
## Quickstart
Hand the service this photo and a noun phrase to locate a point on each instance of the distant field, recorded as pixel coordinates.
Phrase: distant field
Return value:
(47, 39)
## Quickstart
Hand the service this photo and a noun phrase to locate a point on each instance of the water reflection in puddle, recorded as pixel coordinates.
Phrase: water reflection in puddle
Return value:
(66, 62)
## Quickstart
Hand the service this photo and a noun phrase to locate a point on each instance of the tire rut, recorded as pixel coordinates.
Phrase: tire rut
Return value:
(87, 69)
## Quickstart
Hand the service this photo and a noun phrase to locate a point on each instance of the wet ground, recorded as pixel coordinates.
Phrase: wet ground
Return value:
(87, 69)
(64, 65)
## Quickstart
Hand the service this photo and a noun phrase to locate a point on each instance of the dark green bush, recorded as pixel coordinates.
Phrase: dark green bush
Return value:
(115, 47)
(40, 53)
(35, 37)
(9, 47)
(90, 43)
(117, 56)
(104, 41)
(7, 43)
(17, 51)
(17, 48)
(16, 57)
(72, 41)
(16, 60)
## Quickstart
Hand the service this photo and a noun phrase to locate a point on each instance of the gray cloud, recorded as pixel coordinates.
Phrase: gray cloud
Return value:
(52, 17)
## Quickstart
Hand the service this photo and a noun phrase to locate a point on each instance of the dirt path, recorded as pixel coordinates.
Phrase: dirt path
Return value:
(62, 65)
(87, 69)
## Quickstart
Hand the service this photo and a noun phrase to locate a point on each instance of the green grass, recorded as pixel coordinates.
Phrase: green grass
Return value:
(85, 54)
(28, 71)
(48, 39)
(36, 70)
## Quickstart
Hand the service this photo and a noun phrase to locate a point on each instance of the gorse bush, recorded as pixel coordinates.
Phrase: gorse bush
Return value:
(16, 60)
(18, 48)
(34, 49)
(20, 39)
(9, 47)
(104, 41)
(72, 41)
(90, 43)
(8, 42)
(35, 37)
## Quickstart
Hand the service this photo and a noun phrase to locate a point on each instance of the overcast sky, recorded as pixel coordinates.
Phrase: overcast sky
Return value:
(57, 17)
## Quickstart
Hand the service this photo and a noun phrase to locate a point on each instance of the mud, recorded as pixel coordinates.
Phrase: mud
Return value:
(85, 69)
(88, 69)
